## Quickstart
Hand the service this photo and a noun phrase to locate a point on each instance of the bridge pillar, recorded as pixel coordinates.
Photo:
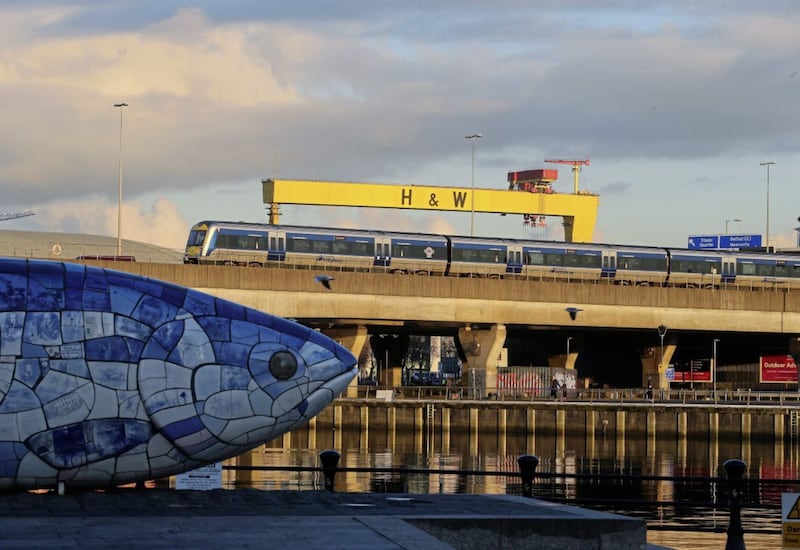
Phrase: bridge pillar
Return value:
(389, 351)
(661, 363)
(353, 338)
(482, 350)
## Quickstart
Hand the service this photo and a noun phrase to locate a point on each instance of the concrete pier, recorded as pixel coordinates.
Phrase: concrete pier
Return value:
(247, 518)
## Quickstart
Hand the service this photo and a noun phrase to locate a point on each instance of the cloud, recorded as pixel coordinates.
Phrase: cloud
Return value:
(159, 224)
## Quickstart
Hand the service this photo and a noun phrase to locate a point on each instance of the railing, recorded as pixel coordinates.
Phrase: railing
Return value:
(618, 493)
(619, 395)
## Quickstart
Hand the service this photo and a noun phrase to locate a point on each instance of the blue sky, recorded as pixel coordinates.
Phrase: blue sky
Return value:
(675, 103)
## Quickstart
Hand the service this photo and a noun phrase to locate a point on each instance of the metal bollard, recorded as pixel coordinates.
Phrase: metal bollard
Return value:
(735, 469)
(330, 460)
(527, 469)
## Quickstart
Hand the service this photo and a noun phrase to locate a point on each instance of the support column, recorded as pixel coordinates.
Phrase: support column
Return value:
(445, 430)
(482, 350)
(353, 338)
(389, 351)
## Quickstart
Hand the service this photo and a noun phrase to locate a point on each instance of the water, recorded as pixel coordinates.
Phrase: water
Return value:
(561, 457)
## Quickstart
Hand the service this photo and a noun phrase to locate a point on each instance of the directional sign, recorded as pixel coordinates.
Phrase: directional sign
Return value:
(739, 241)
(703, 242)
(717, 242)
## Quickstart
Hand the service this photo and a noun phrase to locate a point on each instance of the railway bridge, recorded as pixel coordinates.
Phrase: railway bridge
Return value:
(481, 313)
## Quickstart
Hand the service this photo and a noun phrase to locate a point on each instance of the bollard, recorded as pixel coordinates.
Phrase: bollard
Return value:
(330, 460)
(527, 469)
(735, 469)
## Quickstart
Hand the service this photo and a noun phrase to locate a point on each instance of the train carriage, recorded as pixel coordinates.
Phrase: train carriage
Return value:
(229, 243)
(640, 266)
(414, 253)
(255, 244)
(560, 261)
(695, 268)
(766, 270)
(477, 257)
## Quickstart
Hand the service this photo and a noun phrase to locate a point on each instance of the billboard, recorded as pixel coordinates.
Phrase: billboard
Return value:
(777, 369)
(695, 370)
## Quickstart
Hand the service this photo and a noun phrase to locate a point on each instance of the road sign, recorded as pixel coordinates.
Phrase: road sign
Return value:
(703, 242)
(790, 519)
(716, 242)
(739, 241)
(669, 373)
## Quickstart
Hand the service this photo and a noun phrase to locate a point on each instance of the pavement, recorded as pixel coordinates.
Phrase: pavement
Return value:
(250, 518)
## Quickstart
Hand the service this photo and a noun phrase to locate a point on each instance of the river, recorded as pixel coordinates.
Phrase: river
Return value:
(566, 456)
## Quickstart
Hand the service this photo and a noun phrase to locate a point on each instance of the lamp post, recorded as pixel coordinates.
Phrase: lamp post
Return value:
(566, 361)
(767, 164)
(472, 138)
(728, 221)
(714, 368)
(662, 331)
(120, 106)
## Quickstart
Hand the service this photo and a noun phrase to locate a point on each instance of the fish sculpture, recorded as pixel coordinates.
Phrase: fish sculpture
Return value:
(109, 378)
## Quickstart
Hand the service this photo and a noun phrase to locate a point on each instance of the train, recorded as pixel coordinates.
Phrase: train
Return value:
(268, 245)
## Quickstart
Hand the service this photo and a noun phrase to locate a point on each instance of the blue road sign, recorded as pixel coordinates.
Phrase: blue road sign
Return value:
(717, 242)
(703, 242)
(739, 241)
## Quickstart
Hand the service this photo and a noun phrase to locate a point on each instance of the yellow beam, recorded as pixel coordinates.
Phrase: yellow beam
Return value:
(579, 211)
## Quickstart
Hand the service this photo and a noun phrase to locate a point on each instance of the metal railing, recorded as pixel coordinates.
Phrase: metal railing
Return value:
(741, 396)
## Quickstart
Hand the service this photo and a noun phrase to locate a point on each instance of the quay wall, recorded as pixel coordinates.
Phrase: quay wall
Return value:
(695, 421)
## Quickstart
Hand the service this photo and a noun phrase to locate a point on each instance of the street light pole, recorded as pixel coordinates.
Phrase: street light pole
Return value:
(662, 331)
(728, 221)
(714, 368)
(566, 361)
(767, 164)
(472, 138)
(120, 106)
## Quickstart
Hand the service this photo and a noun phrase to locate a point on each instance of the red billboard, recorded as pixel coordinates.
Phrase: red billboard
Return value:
(777, 369)
(694, 370)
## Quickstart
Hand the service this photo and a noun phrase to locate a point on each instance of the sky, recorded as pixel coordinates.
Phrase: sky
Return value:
(676, 104)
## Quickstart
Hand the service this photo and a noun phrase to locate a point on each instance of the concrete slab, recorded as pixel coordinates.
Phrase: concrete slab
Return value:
(245, 518)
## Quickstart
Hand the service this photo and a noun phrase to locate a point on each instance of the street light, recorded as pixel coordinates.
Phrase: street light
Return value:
(662, 331)
(767, 164)
(120, 106)
(472, 138)
(714, 368)
(566, 361)
(728, 221)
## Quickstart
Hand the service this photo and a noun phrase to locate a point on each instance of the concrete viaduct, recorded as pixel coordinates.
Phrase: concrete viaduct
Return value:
(481, 311)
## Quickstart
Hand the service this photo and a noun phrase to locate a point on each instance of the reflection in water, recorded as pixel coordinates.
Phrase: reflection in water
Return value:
(462, 450)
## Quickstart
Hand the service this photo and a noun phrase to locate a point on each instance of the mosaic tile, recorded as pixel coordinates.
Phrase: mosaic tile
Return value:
(99, 372)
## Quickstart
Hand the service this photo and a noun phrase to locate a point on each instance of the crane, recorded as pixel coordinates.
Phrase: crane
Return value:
(15, 215)
(576, 167)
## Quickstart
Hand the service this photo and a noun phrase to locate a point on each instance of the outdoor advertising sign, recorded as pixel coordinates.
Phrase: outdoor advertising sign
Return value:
(778, 369)
(695, 370)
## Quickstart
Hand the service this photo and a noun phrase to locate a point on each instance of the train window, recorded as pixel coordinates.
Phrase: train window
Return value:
(476, 255)
(745, 269)
(696, 266)
(196, 237)
(236, 241)
(419, 251)
(296, 244)
(352, 248)
(764, 270)
(534, 258)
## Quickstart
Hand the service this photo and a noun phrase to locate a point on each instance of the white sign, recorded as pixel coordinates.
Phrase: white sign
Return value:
(204, 478)
(790, 518)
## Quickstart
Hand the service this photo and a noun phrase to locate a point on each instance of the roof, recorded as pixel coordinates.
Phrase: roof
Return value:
(68, 246)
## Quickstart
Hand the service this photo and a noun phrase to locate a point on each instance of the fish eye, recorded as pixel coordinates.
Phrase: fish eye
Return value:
(283, 365)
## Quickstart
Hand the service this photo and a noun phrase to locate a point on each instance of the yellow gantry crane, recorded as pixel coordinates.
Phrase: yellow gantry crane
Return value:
(576, 168)
(579, 211)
